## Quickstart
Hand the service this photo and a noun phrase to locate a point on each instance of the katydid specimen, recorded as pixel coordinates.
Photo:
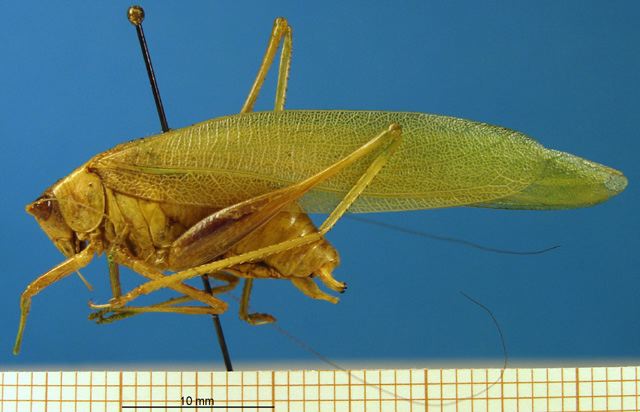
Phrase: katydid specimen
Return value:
(230, 196)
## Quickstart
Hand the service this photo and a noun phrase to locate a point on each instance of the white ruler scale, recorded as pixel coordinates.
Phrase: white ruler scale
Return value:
(517, 389)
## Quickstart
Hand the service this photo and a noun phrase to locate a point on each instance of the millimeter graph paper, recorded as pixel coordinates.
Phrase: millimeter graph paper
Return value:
(514, 389)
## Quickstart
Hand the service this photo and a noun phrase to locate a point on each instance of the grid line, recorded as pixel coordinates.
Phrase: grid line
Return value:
(547, 379)
(577, 390)
(334, 390)
(75, 391)
(364, 388)
(91, 392)
(31, 392)
(120, 391)
(380, 389)
(501, 389)
(231, 385)
(395, 386)
(607, 383)
(472, 402)
(426, 390)
(562, 385)
(441, 388)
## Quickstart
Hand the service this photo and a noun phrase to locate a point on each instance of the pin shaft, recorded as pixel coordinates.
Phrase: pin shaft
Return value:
(152, 77)
(135, 15)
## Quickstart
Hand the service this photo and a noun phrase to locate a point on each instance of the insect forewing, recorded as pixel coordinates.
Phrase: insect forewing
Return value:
(442, 162)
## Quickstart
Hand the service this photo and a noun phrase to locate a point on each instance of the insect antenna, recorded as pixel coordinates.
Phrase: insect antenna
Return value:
(450, 239)
(135, 14)
(308, 348)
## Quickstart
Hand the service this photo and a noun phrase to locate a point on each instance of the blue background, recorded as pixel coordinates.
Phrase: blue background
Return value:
(73, 84)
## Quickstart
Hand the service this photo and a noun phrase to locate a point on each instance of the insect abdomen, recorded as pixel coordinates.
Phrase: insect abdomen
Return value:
(149, 228)
(302, 261)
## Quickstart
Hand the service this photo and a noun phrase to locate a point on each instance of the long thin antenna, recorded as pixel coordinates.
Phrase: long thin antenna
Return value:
(450, 239)
(135, 15)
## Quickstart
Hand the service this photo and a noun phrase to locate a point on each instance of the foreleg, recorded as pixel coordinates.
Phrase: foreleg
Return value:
(59, 272)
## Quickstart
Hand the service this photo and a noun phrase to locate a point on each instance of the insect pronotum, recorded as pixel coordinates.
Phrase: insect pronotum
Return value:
(230, 196)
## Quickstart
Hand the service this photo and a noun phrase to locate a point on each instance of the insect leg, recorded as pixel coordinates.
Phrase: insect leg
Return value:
(59, 272)
(123, 257)
(252, 318)
(281, 32)
(167, 306)
(230, 280)
(185, 310)
(122, 313)
(309, 288)
(386, 142)
(114, 275)
(148, 271)
(99, 316)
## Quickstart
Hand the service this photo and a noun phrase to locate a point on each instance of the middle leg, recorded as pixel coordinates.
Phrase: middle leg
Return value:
(252, 318)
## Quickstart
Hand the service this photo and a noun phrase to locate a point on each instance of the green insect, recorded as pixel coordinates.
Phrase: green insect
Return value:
(229, 197)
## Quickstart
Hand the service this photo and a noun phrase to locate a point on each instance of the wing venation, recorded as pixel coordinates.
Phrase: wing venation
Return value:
(442, 162)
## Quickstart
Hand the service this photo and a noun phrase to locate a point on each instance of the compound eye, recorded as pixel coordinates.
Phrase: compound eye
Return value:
(41, 208)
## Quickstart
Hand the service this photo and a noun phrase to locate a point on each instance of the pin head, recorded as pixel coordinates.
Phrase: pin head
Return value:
(135, 14)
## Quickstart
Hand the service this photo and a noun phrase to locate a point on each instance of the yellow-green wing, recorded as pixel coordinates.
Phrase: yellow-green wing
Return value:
(442, 162)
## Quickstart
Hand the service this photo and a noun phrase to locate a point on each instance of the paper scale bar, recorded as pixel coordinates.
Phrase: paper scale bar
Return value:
(522, 389)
